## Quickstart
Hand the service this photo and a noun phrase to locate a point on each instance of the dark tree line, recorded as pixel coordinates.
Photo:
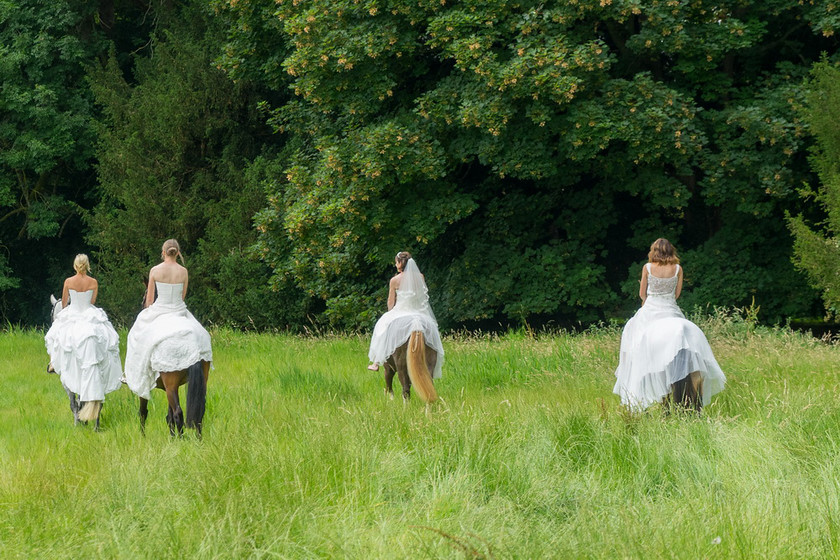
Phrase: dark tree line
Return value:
(526, 152)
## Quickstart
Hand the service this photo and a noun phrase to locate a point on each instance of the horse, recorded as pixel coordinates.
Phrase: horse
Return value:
(195, 377)
(82, 411)
(413, 361)
(687, 393)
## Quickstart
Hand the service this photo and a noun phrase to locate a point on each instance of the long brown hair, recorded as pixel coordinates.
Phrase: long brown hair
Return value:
(402, 258)
(662, 252)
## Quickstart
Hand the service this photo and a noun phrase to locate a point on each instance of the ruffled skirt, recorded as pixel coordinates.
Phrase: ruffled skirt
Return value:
(163, 338)
(394, 328)
(85, 351)
(660, 347)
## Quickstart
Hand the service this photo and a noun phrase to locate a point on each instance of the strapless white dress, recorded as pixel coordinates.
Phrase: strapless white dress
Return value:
(165, 337)
(85, 349)
(394, 328)
(660, 347)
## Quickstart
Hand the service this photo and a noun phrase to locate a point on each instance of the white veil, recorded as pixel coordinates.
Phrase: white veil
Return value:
(413, 295)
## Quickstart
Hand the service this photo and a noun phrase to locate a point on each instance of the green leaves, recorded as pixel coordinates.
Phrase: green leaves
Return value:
(816, 249)
(540, 143)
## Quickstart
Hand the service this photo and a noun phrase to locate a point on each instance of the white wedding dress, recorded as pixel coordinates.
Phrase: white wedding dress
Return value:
(84, 349)
(660, 347)
(410, 313)
(165, 337)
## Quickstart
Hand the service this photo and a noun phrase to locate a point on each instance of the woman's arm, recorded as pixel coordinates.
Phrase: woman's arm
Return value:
(392, 292)
(643, 285)
(65, 295)
(150, 289)
(679, 283)
(186, 281)
(95, 291)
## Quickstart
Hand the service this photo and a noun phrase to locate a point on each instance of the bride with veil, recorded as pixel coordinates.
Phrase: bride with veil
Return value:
(408, 311)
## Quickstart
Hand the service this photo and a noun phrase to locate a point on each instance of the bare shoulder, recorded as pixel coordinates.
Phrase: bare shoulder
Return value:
(395, 281)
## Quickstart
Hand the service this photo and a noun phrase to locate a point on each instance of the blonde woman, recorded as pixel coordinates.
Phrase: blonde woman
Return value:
(660, 349)
(84, 348)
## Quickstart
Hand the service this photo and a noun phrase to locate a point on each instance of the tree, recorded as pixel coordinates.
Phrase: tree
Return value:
(528, 152)
(817, 249)
(46, 144)
(171, 155)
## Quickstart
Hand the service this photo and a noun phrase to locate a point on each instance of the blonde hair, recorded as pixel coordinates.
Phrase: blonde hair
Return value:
(172, 249)
(81, 264)
(662, 252)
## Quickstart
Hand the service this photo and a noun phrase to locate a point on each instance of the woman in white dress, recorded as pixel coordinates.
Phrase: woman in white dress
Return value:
(84, 348)
(408, 311)
(165, 336)
(659, 346)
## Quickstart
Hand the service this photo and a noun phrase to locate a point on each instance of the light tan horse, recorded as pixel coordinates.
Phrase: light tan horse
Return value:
(413, 362)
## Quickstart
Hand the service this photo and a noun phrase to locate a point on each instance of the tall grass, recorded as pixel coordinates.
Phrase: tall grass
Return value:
(529, 455)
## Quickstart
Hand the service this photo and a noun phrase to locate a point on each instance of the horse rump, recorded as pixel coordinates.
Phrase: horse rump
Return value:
(196, 395)
(418, 369)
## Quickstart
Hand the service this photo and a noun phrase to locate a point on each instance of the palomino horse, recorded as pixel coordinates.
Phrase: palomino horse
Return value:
(413, 362)
(195, 377)
(82, 411)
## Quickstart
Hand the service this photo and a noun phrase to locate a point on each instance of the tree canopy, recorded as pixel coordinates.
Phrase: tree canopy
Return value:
(817, 250)
(527, 153)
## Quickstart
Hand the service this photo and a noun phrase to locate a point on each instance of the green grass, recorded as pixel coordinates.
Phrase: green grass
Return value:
(529, 456)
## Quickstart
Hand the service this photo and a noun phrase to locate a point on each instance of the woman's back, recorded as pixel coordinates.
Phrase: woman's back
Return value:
(80, 300)
(169, 294)
(662, 285)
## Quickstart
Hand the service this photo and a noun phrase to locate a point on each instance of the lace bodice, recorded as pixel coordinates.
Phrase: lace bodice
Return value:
(662, 287)
(80, 300)
(409, 300)
(169, 294)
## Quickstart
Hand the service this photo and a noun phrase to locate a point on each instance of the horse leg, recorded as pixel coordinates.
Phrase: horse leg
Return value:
(399, 364)
(695, 381)
(402, 371)
(144, 413)
(687, 391)
(74, 404)
(175, 418)
(98, 414)
(390, 370)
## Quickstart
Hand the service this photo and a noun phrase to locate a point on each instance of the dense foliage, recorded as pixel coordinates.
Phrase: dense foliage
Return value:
(526, 152)
(171, 155)
(817, 250)
(529, 152)
(46, 141)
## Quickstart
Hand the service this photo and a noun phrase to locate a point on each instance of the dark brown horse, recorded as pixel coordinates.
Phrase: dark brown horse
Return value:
(413, 362)
(195, 377)
(687, 393)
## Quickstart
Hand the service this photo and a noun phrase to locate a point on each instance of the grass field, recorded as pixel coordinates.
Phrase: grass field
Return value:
(530, 456)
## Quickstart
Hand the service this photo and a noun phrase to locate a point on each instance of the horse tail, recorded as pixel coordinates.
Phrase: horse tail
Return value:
(196, 395)
(90, 411)
(418, 370)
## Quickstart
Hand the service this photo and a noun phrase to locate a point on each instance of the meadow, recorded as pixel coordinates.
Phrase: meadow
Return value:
(528, 455)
